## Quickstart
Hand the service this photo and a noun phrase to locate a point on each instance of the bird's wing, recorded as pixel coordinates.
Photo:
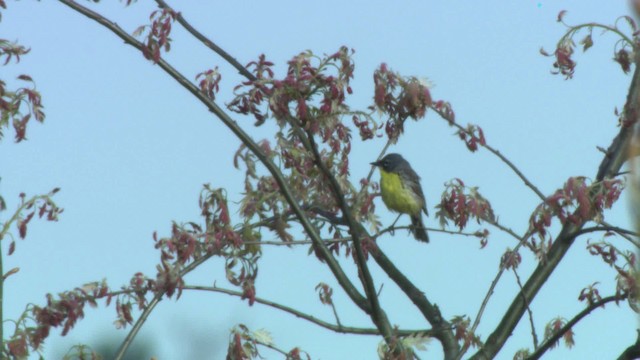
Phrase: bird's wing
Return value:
(414, 185)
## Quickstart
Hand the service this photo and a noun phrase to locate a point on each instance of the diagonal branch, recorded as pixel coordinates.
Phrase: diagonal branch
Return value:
(430, 311)
(492, 287)
(632, 352)
(334, 266)
(495, 152)
(609, 167)
(208, 43)
(548, 343)
(377, 314)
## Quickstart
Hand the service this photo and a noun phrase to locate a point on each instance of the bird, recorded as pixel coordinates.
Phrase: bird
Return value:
(402, 193)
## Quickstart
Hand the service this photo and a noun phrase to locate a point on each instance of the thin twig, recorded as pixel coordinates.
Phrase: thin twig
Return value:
(5, 230)
(335, 313)
(408, 227)
(272, 347)
(531, 322)
(296, 242)
(605, 227)
(149, 308)
(485, 300)
(336, 328)
(494, 152)
(625, 233)
(208, 43)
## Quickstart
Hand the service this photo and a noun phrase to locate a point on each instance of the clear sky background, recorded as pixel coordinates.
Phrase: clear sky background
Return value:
(130, 150)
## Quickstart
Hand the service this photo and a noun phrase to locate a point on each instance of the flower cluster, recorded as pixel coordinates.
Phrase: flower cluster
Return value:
(576, 202)
(459, 203)
(564, 63)
(157, 33)
(20, 105)
(553, 327)
(308, 106)
(624, 263)
(400, 98)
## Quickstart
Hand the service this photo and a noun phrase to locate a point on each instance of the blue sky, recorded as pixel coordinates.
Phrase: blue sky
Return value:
(130, 150)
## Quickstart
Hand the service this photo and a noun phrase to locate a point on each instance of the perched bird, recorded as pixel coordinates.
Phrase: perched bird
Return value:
(401, 191)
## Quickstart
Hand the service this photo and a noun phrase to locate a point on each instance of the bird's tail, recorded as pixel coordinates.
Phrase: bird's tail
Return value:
(418, 229)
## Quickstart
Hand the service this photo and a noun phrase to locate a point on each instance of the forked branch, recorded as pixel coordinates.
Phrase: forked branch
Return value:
(337, 271)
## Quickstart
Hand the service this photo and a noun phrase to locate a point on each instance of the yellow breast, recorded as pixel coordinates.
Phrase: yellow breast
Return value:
(398, 197)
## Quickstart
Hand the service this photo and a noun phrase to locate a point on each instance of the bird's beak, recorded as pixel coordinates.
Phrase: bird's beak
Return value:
(376, 163)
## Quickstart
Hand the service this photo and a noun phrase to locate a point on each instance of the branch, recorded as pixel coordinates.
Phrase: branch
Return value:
(431, 312)
(492, 287)
(548, 343)
(626, 234)
(208, 43)
(392, 229)
(367, 281)
(295, 242)
(272, 347)
(632, 352)
(152, 304)
(495, 152)
(378, 315)
(334, 266)
(336, 328)
(609, 167)
(531, 322)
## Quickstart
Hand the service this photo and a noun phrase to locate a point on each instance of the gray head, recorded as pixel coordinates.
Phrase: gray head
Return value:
(390, 162)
